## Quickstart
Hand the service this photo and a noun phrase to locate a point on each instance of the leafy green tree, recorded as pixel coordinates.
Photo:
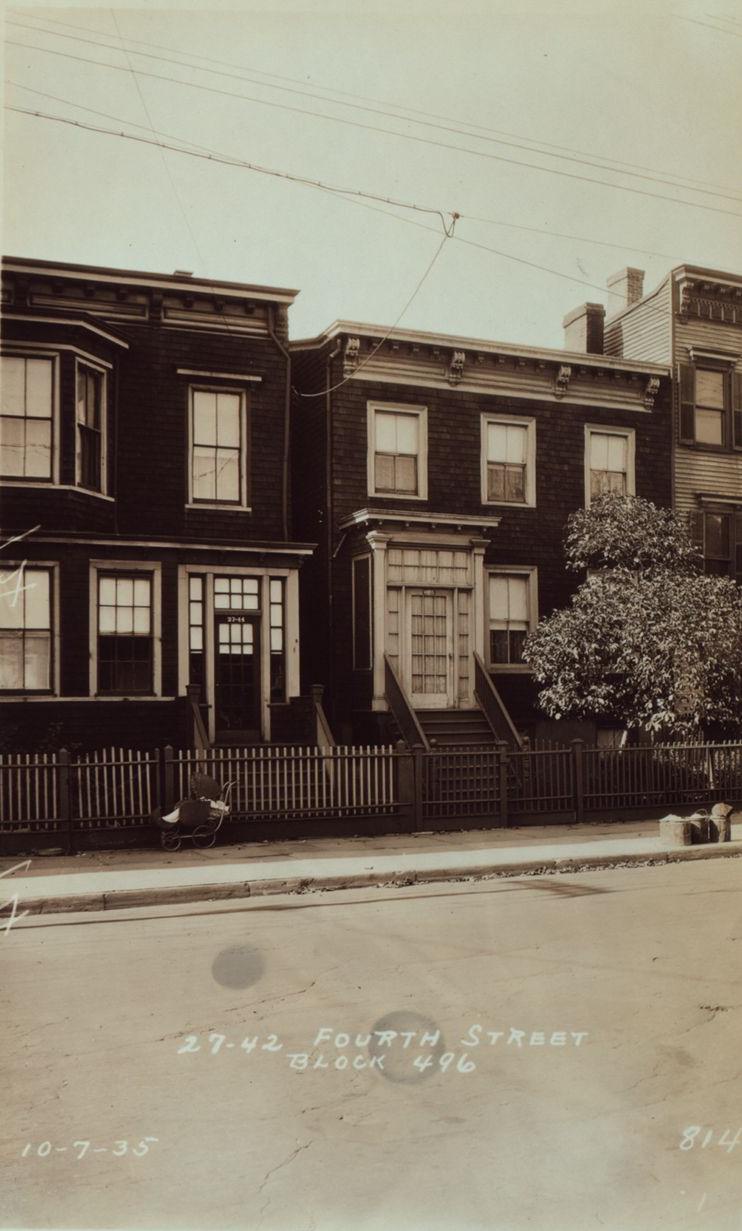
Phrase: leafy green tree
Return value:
(648, 640)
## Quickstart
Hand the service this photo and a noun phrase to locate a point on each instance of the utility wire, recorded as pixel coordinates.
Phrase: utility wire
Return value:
(331, 388)
(601, 243)
(389, 132)
(342, 193)
(494, 222)
(167, 170)
(719, 29)
(229, 161)
(448, 128)
(412, 111)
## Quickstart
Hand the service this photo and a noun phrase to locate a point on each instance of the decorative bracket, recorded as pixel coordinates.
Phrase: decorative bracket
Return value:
(351, 355)
(561, 384)
(651, 391)
(456, 367)
(685, 299)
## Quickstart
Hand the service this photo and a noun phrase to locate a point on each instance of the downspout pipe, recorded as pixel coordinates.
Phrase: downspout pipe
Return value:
(286, 426)
(330, 503)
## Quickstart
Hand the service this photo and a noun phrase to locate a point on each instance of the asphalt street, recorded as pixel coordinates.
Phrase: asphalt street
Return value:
(553, 1053)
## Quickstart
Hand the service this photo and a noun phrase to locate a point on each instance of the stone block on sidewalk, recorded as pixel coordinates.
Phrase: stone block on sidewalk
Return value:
(675, 831)
(721, 822)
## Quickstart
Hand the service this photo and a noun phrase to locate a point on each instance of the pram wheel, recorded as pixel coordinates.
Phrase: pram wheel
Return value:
(204, 836)
(170, 841)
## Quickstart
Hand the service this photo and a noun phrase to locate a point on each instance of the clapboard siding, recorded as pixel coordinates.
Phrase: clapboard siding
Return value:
(715, 474)
(644, 332)
(709, 334)
(718, 474)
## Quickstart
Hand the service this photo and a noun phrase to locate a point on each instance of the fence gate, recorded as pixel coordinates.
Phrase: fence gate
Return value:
(462, 784)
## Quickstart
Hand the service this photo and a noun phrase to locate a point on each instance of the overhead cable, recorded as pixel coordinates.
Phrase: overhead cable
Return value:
(587, 161)
(412, 111)
(391, 132)
(226, 160)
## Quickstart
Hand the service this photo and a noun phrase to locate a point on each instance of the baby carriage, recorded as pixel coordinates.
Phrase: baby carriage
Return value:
(198, 817)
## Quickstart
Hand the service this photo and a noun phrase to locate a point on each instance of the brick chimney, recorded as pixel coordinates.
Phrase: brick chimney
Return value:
(583, 328)
(629, 285)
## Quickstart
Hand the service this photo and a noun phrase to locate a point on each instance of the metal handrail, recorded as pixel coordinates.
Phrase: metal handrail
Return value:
(399, 704)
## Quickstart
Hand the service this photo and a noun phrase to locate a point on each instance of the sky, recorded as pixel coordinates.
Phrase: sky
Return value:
(465, 94)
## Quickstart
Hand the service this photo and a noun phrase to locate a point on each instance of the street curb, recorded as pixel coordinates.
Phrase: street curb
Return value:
(168, 895)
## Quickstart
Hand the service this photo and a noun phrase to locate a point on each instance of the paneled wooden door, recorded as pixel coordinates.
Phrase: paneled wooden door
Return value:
(237, 675)
(430, 648)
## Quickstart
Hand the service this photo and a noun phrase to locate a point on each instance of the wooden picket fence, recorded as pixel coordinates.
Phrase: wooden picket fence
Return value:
(68, 801)
(284, 782)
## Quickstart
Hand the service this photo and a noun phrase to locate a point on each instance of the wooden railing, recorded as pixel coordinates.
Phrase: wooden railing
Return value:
(323, 736)
(403, 713)
(492, 704)
(200, 734)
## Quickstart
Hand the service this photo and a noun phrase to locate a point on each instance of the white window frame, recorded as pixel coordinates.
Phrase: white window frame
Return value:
(400, 408)
(517, 421)
(628, 434)
(102, 369)
(209, 570)
(53, 690)
(529, 571)
(243, 505)
(126, 566)
(30, 352)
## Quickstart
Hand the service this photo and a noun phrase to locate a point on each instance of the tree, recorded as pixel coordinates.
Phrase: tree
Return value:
(648, 640)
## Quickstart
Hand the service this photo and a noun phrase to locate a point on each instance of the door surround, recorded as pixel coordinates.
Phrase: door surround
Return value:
(385, 579)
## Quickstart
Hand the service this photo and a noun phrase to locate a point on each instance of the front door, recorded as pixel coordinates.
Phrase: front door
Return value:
(429, 648)
(237, 675)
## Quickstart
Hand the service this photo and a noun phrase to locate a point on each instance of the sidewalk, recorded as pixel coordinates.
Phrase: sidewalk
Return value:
(119, 879)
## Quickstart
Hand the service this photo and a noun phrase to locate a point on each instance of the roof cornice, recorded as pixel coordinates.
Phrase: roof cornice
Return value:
(135, 277)
(421, 338)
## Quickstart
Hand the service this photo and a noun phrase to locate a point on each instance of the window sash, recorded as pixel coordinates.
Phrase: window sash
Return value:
(26, 417)
(26, 629)
(217, 463)
(722, 543)
(125, 633)
(510, 615)
(396, 472)
(396, 452)
(709, 426)
(506, 482)
(711, 388)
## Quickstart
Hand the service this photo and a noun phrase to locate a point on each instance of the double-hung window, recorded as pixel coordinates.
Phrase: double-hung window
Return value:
(27, 418)
(397, 463)
(717, 533)
(609, 462)
(90, 426)
(125, 633)
(512, 614)
(710, 403)
(25, 629)
(508, 460)
(218, 447)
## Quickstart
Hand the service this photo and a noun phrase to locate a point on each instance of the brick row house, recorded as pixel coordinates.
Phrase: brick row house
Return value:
(436, 475)
(145, 451)
(693, 321)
